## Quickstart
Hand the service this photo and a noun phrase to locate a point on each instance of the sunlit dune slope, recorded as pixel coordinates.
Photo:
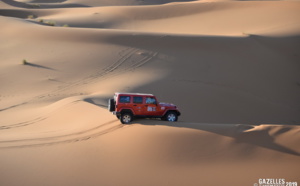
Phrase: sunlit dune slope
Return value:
(195, 153)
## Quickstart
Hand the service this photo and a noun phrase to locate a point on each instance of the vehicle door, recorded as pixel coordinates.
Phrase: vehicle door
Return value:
(150, 106)
(137, 105)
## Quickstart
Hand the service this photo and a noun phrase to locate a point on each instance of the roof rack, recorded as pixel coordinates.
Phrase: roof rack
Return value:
(137, 94)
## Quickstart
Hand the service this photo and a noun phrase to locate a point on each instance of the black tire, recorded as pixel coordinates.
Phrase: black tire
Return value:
(126, 118)
(171, 116)
(111, 105)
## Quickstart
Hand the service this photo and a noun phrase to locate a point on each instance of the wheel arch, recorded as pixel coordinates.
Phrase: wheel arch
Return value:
(178, 113)
(127, 110)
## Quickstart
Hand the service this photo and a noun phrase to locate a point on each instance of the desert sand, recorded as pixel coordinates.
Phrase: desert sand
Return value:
(232, 68)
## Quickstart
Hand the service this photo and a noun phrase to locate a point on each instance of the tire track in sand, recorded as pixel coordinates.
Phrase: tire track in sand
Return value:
(130, 59)
(79, 136)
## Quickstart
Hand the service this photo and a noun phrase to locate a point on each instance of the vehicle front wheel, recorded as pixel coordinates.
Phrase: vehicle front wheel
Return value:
(171, 116)
(126, 118)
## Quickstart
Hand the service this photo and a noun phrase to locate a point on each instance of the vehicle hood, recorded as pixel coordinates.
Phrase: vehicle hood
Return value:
(167, 105)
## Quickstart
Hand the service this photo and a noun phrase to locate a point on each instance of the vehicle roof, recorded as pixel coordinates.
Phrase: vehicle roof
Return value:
(134, 94)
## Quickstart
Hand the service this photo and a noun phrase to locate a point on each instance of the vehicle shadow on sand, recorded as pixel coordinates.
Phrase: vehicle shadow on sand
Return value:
(257, 135)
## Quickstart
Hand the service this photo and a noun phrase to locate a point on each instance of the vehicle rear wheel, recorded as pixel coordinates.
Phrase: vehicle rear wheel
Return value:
(171, 116)
(126, 118)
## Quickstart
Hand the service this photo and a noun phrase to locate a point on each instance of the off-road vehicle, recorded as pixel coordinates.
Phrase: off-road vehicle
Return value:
(127, 106)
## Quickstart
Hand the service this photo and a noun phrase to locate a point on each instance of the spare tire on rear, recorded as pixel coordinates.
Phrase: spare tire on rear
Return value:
(111, 105)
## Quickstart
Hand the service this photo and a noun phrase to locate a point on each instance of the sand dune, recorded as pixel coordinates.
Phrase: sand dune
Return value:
(234, 18)
(232, 67)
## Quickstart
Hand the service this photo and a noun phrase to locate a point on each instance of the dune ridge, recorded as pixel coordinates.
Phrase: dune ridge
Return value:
(232, 68)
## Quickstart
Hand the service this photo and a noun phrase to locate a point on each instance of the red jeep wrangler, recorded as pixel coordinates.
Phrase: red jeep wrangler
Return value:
(126, 106)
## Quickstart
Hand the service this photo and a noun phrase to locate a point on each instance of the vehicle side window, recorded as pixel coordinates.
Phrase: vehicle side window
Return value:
(138, 100)
(124, 99)
(150, 100)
